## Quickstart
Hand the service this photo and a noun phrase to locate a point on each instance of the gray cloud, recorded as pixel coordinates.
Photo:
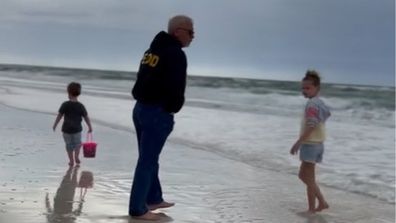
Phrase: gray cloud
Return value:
(348, 40)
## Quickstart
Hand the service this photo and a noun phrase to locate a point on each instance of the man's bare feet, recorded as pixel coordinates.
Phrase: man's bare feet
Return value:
(148, 216)
(322, 207)
(163, 204)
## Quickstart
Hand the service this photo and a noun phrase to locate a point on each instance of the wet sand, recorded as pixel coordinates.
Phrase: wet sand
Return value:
(36, 184)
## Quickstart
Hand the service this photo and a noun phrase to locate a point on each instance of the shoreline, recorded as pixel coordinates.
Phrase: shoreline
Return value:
(205, 186)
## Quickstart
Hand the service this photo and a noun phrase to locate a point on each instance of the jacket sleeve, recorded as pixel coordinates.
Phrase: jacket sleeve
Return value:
(176, 72)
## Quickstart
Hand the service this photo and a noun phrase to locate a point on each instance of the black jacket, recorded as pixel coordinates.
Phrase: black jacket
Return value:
(161, 79)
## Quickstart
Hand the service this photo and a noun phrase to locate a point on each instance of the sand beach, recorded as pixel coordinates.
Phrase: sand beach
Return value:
(37, 185)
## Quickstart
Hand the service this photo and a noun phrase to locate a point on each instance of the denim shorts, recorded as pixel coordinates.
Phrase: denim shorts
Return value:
(312, 153)
(73, 141)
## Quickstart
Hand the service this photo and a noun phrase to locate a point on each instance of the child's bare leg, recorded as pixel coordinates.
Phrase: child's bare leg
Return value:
(70, 155)
(307, 175)
(322, 202)
(76, 154)
(307, 172)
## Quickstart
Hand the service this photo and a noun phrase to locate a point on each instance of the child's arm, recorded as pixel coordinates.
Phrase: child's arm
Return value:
(308, 130)
(58, 118)
(88, 121)
(311, 121)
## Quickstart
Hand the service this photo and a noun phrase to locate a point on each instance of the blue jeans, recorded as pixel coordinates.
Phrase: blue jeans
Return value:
(153, 126)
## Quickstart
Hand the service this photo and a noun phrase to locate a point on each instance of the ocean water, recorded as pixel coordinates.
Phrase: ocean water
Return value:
(250, 121)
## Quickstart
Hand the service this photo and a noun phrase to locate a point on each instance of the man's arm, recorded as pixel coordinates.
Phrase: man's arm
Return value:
(176, 68)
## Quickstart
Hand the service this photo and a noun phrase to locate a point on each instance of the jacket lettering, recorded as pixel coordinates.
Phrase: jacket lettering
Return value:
(150, 59)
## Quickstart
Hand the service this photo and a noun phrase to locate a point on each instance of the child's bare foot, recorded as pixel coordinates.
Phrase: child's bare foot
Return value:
(148, 216)
(322, 206)
(309, 211)
(78, 161)
(163, 204)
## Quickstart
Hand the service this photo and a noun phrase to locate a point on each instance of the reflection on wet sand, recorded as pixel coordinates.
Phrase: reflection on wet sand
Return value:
(85, 182)
(313, 218)
(62, 210)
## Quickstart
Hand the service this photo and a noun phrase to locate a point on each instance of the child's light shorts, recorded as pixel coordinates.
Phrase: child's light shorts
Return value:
(312, 153)
(73, 141)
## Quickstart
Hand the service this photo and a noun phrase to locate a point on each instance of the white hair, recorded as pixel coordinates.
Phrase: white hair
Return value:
(177, 21)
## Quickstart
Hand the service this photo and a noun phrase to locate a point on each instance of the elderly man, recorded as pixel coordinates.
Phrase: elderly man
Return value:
(159, 93)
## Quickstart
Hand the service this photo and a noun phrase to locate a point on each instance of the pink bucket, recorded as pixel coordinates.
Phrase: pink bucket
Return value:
(89, 147)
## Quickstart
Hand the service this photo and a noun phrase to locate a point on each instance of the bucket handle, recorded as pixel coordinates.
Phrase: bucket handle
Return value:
(89, 137)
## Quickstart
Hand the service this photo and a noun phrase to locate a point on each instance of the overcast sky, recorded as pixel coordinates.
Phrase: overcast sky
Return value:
(348, 41)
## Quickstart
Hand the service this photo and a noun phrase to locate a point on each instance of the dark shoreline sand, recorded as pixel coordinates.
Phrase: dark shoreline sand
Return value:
(205, 186)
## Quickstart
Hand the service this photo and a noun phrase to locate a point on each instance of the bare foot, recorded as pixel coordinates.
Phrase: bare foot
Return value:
(322, 206)
(310, 212)
(78, 161)
(148, 216)
(71, 164)
(163, 204)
